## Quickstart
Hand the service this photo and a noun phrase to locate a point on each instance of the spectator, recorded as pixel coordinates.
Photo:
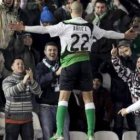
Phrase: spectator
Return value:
(103, 104)
(46, 17)
(30, 56)
(125, 53)
(106, 19)
(132, 79)
(119, 86)
(47, 75)
(10, 12)
(32, 10)
(18, 89)
(22, 46)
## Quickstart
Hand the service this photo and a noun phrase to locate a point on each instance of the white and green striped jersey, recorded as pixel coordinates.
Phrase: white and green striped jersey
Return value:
(76, 37)
(76, 40)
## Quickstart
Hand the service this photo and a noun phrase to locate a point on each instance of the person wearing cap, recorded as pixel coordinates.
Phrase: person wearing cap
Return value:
(22, 46)
(124, 48)
(28, 52)
(132, 78)
(125, 54)
(77, 36)
(46, 17)
(119, 86)
(27, 39)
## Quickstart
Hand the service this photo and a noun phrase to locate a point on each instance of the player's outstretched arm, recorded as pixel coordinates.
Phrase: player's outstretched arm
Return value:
(99, 33)
(19, 27)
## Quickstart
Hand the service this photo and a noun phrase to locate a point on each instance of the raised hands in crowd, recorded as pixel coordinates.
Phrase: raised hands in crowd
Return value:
(28, 78)
(114, 51)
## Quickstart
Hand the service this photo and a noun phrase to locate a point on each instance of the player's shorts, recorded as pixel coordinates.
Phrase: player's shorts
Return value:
(78, 74)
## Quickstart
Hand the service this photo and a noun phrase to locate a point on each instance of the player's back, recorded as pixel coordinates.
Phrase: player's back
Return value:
(77, 35)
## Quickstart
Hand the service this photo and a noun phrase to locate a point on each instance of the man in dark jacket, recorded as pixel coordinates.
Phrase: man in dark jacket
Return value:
(103, 104)
(47, 74)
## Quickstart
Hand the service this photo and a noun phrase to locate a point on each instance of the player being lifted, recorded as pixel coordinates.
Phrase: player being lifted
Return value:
(76, 36)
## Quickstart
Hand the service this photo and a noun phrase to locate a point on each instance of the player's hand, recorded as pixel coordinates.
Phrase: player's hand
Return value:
(17, 26)
(114, 51)
(123, 112)
(130, 34)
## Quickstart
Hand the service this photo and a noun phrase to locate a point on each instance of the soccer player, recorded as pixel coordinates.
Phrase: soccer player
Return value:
(76, 36)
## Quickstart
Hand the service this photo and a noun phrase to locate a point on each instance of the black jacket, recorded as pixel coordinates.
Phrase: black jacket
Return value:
(47, 80)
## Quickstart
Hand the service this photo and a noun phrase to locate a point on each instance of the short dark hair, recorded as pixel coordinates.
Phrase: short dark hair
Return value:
(101, 1)
(51, 44)
(15, 58)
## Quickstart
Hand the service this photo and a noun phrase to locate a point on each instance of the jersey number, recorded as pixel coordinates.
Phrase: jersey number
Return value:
(75, 44)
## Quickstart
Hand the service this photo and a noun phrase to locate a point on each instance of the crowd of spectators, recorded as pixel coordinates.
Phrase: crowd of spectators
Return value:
(110, 92)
